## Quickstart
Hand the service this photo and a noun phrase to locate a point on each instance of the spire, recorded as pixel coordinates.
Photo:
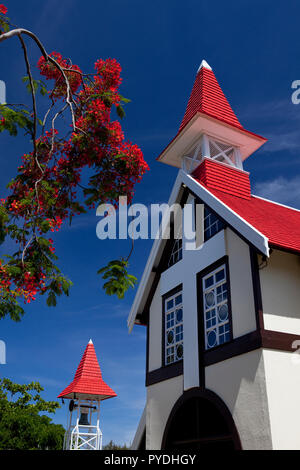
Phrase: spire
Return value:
(205, 65)
(208, 98)
(88, 380)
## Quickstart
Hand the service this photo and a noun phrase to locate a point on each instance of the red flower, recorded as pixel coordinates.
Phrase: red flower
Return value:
(96, 144)
(3, 9)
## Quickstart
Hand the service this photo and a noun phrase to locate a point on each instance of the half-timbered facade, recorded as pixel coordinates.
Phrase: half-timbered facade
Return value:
(223, 318)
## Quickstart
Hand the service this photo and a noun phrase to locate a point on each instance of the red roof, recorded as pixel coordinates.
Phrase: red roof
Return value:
(208, 98)
(88, 379)
(280, 224)
(217, 175)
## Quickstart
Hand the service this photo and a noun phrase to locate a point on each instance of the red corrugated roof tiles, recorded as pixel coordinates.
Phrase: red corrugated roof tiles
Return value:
(280, 224)
(208, 98)
(88, 378)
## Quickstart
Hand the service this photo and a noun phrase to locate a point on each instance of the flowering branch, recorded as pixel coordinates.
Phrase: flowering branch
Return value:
(44, 192)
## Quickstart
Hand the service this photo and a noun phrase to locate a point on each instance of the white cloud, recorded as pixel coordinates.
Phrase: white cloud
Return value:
(282, 190)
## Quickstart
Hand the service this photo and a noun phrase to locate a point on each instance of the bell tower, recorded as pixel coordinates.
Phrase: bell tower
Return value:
(209, 129)
(85, 393)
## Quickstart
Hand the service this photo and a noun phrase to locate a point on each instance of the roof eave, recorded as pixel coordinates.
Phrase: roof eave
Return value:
(201, 122)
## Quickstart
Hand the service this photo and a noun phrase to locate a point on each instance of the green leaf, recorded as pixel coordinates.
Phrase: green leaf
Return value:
(51, 300)
(120, 111)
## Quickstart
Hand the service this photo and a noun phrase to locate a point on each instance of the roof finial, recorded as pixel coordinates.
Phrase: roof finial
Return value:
(90, 341)
(205, 65)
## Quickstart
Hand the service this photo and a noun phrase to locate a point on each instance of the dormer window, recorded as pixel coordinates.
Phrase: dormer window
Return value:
(176, 254)
(212, 224)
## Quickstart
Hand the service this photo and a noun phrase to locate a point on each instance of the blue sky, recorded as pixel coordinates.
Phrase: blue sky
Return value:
(254, 49)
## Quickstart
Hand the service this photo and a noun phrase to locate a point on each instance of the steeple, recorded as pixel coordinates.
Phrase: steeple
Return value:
(85, 392)
(209, 129)
(208, 98)
(88, 382)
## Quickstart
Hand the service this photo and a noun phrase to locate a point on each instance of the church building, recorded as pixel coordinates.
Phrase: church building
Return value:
(222, 319)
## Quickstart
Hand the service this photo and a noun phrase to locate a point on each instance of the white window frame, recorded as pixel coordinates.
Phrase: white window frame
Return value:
(214, 321)
(219, 223)
(171, 326)
(176, 254)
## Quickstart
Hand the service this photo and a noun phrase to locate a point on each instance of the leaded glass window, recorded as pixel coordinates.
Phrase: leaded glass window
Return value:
(216, 308)
(173, 328)
(212, 224)
(176, 254)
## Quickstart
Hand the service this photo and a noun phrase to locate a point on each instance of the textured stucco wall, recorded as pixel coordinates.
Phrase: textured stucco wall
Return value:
(240, 383)
(282, 371)
(242, 299)
(280, 286)
(161, 398)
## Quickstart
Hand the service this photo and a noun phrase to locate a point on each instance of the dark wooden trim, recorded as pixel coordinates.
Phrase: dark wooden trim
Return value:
(201, 342)
(285, 250)
(210, 396)
(266, 339)
(145, 314)
(162, 266)
(164, 373)
(142, 444)
(256, 289)
(147, 348)
(278, 340)
(241, 345)
(173, 291)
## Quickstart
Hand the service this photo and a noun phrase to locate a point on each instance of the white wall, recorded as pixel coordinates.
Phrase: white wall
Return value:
(280, 286)
(282, 371)
(140, 431)
(242, 299)
(240, 383)
(161, 398)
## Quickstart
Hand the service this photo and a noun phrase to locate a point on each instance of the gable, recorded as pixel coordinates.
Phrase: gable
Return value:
(152, 271)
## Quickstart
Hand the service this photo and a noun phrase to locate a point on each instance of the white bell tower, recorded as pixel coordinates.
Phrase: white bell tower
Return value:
(85, 393)
(209, 129)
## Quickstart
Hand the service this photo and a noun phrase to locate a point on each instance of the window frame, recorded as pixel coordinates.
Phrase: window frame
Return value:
(219, 222)
(176, 253)
(209, 270)
(178, 289)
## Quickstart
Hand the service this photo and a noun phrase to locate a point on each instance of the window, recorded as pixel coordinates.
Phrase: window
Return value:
(173, 309)
(217, 326)
(212, 224)
(176, 254)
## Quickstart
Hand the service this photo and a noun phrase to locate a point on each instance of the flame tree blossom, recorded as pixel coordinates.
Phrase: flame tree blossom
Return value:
(48, 189)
